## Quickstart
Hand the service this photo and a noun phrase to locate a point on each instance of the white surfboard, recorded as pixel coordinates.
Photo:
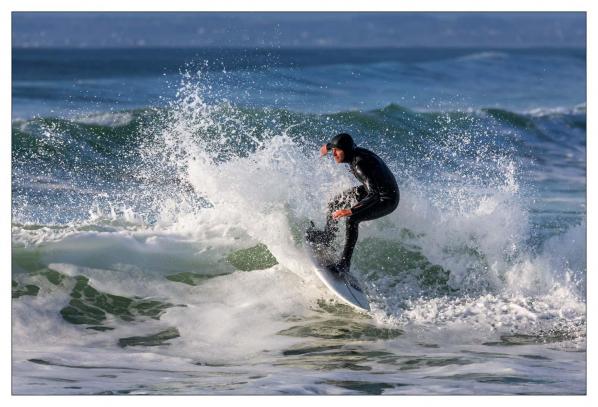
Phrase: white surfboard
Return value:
(346, 288)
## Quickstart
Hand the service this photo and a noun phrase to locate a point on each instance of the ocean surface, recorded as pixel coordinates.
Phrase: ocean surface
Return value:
(159, 198)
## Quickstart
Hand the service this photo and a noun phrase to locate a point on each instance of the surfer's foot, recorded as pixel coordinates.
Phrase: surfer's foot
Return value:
(340, 269)
(320, 237)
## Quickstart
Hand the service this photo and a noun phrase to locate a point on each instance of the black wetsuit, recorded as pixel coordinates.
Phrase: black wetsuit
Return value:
(377, 197)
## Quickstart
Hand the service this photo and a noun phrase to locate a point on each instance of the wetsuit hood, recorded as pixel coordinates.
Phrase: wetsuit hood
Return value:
(344, 142)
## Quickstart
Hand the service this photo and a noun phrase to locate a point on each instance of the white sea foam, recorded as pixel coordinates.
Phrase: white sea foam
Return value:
(548, 111)
(110, 119)
(485, 55)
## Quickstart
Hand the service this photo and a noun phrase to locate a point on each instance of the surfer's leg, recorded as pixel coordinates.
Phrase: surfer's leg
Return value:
(375, 212)
(350, 241)
(380, 209)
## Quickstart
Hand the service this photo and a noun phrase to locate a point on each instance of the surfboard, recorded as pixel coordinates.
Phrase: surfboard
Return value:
(345, 287)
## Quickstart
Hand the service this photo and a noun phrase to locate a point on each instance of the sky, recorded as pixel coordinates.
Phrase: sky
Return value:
(309, 30)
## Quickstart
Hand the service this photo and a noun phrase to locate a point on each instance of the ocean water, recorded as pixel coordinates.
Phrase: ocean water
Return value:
(159, 198)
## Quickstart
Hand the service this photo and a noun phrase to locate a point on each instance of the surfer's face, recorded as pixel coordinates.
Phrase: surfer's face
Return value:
(339, 155)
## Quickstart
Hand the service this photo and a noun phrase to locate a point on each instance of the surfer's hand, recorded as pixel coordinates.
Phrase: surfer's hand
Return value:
(342, 213)
(323, 150)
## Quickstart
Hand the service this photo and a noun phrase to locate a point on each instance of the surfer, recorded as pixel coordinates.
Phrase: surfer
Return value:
(376, 197)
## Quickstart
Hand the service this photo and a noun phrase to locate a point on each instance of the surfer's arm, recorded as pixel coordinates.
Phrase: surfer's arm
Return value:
(367, 174)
